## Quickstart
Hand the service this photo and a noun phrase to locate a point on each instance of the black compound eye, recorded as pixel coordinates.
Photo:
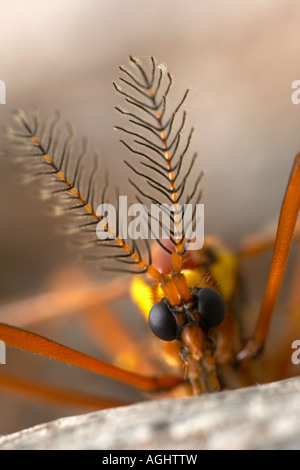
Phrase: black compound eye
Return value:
(162, 322)
(211, 307)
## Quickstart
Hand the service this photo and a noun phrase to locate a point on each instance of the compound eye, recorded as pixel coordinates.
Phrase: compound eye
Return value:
(211, 307)
(162, 322)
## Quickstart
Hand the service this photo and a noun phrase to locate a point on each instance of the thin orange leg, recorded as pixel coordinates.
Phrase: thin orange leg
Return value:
(121, 346)
(61, 302)
(284, 365)
(294, 301)
(46, 393)
(286, 226)
(27, 341)
(257, 244)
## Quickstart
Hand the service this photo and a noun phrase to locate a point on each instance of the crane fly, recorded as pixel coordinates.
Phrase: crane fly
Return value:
(188, 297)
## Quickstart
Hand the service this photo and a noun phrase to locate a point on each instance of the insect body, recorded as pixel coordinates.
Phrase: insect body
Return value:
(188, 297)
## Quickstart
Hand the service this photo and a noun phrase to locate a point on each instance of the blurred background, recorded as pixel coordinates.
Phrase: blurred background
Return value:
(239, 60)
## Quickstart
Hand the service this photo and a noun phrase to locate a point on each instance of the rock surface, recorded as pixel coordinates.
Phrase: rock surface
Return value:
(260, 417)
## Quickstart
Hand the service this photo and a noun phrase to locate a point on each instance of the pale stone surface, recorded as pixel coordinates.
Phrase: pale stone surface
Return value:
(260, 417)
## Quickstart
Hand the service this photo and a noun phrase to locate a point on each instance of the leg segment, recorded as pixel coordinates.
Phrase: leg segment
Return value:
(22, 339)
(61, 302)
(255, 245)
(46, 393)
(121, 347)
(286, 226)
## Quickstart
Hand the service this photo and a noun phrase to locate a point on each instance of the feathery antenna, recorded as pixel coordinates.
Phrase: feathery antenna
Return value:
(160, 146)
(47, 153)
(46, 150)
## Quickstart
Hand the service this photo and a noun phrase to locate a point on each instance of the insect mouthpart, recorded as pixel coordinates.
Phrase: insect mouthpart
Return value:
(206, 309)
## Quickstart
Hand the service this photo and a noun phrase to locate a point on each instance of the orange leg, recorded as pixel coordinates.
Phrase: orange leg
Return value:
(255, 245)
(61, 302)
(284, 366)
(226, 339)
(286, 226)
(45, 393)
(27, 341)
(294, 301)
(121, 346)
